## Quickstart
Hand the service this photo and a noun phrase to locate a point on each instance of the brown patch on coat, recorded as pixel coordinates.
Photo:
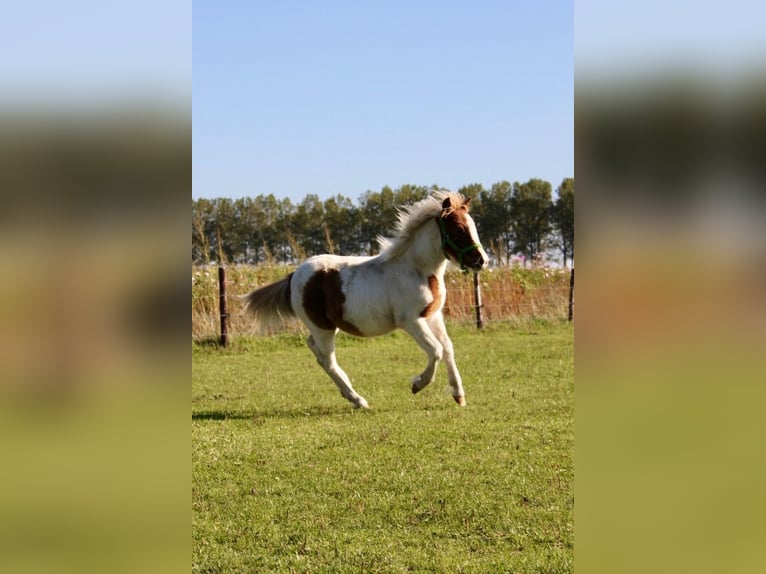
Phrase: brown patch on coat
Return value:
(433, 306)
(323, 301)
(456, 228)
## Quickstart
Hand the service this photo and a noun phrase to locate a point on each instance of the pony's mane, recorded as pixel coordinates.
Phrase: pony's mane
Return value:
(410, 219)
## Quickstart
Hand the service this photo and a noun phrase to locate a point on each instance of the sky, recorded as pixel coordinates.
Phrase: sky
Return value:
(294, 96)
(720, 38)
(95, 52)
(297, 97)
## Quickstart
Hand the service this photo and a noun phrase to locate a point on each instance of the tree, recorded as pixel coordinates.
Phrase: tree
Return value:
(473, 191)
(530, 216)
(212, 229)
(202, 216)
(225, 242)
(409, 194)
(306, 226)
(245, 233)
(562, 217)
(378, 211)
(341, 222)
(493, 219)
(283, 230)
(510, 218)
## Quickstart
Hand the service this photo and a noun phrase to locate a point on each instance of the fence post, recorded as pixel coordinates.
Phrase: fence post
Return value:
(222, 305)
(477, 300)
(571, 294)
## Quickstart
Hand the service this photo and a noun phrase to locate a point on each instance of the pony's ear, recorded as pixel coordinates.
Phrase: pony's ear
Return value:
(467, 203)
(447, 203)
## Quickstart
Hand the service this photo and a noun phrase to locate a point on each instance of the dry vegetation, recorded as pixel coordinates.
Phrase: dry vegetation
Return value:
(507, 293)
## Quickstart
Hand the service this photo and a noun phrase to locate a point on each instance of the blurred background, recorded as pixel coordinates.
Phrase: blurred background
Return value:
(670, 140)
(95, 178)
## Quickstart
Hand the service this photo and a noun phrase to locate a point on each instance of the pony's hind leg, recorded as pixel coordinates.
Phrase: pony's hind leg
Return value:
(421, 332)
(322, 344)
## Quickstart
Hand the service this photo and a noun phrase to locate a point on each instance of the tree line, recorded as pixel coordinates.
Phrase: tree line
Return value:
(519, 219)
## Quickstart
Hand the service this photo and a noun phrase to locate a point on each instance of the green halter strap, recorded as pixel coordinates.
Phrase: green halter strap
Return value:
(447, 242)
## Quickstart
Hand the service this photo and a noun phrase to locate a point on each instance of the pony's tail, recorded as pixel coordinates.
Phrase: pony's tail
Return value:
(270, 304)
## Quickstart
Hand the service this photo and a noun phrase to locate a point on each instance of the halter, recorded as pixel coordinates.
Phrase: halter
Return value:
(447, 242)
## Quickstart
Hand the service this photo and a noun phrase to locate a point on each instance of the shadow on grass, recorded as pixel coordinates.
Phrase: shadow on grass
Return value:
(286, 413)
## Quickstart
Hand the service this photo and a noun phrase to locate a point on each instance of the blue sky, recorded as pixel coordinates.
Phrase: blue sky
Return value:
(100, 52)
(293, 97)
(298, 97)
(717, 38)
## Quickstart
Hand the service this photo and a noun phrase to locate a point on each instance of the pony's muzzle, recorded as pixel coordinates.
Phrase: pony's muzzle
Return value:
(476, 260)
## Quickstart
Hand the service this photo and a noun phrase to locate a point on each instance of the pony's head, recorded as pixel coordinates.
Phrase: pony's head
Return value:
(460, 240)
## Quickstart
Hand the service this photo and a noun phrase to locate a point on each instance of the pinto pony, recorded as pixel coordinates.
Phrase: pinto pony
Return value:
(402, 287)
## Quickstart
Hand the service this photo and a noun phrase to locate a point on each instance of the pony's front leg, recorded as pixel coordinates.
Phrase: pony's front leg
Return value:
(436, 322)
(421, 332)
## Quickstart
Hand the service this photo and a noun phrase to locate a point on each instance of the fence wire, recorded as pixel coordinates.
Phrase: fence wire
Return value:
(507, 293)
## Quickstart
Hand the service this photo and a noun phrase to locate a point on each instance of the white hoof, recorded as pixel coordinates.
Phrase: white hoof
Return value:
(360, 403)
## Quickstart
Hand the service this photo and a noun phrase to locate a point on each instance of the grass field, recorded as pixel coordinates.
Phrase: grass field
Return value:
(287, 477)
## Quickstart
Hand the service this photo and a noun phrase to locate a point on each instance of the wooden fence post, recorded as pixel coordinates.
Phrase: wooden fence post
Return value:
(222, 305)
(477, 300)
(571, 294)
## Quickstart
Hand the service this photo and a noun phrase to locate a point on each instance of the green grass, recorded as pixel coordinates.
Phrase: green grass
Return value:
(287, 477)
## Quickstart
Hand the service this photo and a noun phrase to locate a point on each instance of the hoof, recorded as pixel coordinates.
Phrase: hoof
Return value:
(460, 400)
(417, 385)
(360, 403)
